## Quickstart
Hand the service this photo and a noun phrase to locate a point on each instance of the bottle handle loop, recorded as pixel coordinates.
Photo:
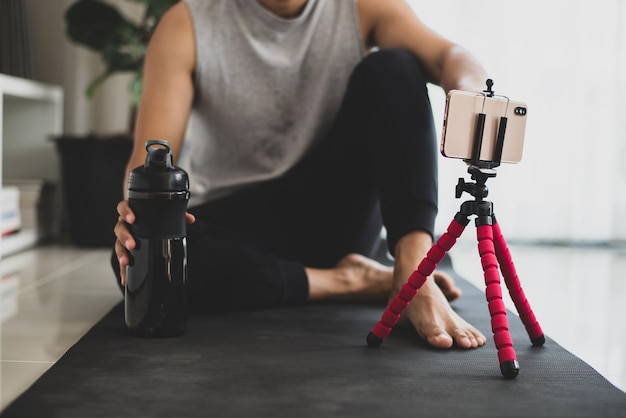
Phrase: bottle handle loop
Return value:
(159, 156)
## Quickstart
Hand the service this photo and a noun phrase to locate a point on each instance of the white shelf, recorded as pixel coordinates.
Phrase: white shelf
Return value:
(29, 89)
(17, 242)
(30, 113)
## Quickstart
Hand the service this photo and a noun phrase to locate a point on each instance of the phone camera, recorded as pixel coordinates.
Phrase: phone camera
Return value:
(520, 111)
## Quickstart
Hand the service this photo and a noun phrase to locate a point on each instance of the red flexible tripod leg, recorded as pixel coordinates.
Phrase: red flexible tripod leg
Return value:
(515, 288)
(417, 279)
(499, 322)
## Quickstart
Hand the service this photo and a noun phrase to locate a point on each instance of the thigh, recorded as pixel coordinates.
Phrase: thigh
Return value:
(327, 205)
(226, 271)
(378, 159)
(313, 216)
(390, 103)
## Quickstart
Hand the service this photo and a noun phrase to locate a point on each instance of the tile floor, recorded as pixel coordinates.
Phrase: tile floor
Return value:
(577, 293)
(52, 295)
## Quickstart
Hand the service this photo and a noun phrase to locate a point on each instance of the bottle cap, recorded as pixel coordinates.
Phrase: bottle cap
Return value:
(158, 174)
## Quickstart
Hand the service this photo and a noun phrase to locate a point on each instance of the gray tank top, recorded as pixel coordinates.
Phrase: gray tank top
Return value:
(267, 88)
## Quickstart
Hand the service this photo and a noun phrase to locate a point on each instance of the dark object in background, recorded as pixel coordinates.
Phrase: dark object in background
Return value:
(92, 171)
(15, 58)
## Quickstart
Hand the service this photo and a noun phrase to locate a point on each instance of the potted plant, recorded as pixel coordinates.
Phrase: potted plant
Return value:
(121, 42)
(93, 167)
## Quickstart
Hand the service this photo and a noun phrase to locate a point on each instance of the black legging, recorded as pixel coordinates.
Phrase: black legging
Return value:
(249, 249)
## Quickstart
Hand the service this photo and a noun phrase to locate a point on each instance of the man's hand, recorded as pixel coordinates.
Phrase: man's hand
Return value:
(125, 241)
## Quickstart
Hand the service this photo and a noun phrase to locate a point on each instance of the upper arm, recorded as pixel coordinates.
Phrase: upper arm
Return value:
(393, 24)
(167, 93)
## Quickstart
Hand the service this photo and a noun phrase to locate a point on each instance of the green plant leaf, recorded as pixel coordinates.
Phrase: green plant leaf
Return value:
(156, 8)
(96, 24)
(117, 60)
(121, 43)
(95, 84)
(136, 87)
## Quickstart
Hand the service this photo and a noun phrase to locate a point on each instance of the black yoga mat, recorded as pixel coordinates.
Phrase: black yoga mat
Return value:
(311, 361)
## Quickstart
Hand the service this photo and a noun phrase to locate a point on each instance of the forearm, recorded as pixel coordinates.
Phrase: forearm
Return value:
(461, 71)
(393, 24)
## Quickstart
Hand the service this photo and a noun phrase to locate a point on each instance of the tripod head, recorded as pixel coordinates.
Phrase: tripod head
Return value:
(479, 188)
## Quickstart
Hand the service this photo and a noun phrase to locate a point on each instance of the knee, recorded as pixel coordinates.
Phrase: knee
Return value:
(394, 64)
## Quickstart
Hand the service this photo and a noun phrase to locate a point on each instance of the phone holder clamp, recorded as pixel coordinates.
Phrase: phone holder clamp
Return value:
(489, 92)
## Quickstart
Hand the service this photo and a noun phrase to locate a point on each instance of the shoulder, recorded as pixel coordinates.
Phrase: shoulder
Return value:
(376, 16)
(377, 10)
(394, 24)
(176, 21)
(173, 36)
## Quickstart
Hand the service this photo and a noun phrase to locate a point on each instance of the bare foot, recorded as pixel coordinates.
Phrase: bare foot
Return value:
(436, 322)
(354, 277)
(368, 279)
(430, 312)
(360, 278)
(445, 282)
(372, 281)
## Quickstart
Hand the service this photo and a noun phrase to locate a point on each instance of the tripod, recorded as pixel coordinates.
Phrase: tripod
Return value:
(493, 252)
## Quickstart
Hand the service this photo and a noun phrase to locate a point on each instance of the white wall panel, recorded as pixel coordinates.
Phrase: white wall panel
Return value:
(566, 59)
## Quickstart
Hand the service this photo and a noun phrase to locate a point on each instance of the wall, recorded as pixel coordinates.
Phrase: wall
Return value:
(566, 60)
(58, 61)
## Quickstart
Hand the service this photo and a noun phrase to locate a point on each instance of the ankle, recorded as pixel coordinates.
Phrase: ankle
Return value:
(328, 283)
(412, 247)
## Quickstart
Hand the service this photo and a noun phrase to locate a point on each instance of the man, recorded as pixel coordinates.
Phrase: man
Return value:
(290, 141)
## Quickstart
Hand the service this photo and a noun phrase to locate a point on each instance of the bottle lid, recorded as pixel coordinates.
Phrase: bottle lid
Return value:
(158, 172)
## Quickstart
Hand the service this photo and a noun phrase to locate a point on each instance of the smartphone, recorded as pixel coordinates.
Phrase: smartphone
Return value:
(460, 120)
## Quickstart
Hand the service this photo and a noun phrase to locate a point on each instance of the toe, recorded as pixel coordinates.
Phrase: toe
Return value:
(446, 284)
(439, 339)
(481, 339)
(475, 338)
(463, 340)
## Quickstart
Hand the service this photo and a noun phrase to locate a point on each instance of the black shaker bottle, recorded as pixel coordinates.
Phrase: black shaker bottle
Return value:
(155, 298)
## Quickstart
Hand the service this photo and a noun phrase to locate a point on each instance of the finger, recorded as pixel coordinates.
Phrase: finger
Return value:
(123, 264)
(123, 260)
(125, 212)
(190, 218)
(120, 250)
(124, 237)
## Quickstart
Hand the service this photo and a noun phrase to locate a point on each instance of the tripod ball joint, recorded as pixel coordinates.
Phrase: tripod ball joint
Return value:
(478, 190)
